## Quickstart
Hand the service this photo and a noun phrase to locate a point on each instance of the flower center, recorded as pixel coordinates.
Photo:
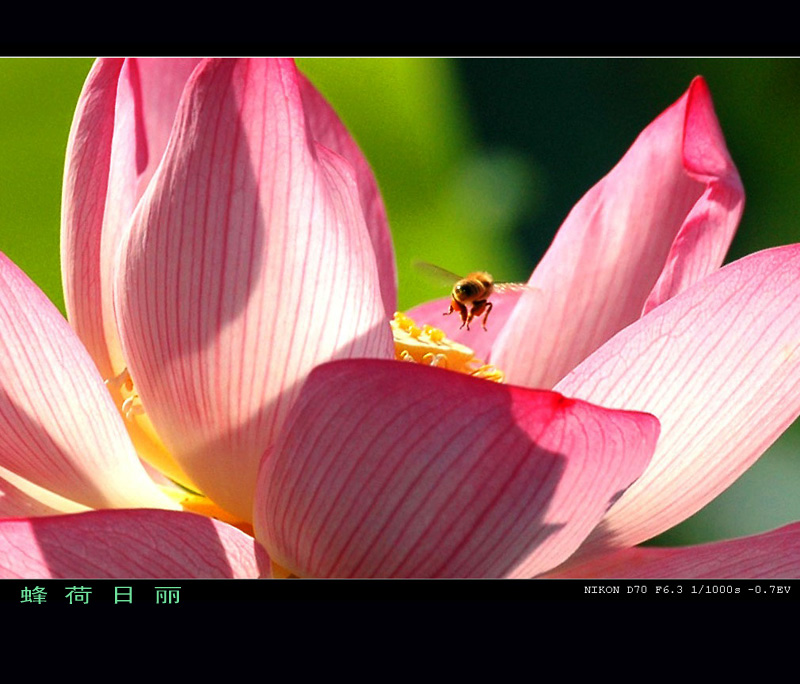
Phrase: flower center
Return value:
(431, 346)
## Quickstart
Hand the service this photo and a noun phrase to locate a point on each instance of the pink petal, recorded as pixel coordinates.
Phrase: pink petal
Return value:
(58, 426)
(719, 365)
(121, 126)
(659, 221)
(328, 129)
(19, 498)
(131, 544)
(772, 555)
(476, 338)
(388, 469)
(248, 263)
(83, 206)
(708, 229)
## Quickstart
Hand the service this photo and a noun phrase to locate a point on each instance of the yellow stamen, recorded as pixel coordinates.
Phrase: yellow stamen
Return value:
(142, 433)
(120, 383)
(430, 346)
(132, 407)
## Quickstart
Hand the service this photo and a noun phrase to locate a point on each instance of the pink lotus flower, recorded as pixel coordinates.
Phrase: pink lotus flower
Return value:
(228, 271)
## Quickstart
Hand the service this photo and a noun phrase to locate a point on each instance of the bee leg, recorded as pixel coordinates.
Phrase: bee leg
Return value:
(465, 317)
(462, 310)
(489, 306)
(477, 310)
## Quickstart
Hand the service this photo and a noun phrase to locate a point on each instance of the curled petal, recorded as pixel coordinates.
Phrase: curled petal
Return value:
(248, 262)
(703, 239)
(119, 132)
(719, 365)
(772, 555)
(128, 544)
(659, 221)
(59, 428)
(387, 469)
(83, 207)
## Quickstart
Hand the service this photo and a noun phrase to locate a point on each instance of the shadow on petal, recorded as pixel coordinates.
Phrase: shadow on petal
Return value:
(128, 544)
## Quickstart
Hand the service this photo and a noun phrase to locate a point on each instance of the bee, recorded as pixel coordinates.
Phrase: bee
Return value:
(470, 295)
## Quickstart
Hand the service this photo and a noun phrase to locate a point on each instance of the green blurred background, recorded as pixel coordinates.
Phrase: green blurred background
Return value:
(479, 161)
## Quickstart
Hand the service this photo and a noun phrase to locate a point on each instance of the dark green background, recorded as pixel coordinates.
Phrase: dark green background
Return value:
(479, 161)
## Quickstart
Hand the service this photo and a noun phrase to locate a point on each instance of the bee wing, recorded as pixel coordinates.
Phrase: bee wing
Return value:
(513, 287)
(441, 275)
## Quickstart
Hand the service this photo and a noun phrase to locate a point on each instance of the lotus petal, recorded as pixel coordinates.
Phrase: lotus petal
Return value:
(771, 555)
(719, 365)
(136, 544)
(248, 263)
(59, 428)
(444, 475)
